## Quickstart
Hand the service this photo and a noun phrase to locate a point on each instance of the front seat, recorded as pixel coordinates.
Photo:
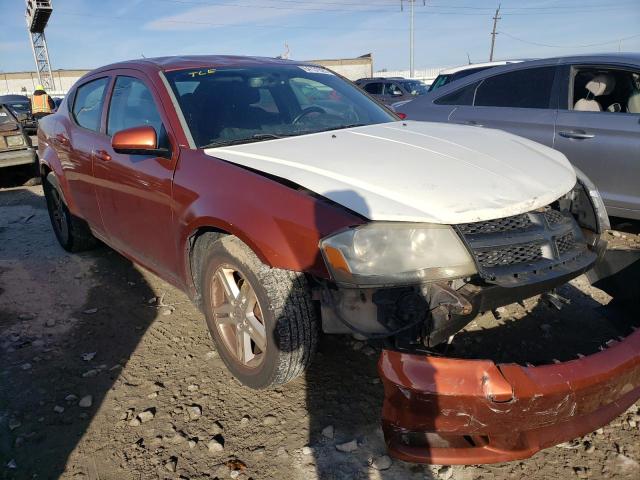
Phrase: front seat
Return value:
(633, 105)
(601, 84)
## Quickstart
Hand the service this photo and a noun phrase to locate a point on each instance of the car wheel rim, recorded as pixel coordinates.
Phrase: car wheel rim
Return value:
(238, 317)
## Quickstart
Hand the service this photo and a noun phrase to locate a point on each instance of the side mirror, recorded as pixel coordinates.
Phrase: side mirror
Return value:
(141, 140)
(397, 93)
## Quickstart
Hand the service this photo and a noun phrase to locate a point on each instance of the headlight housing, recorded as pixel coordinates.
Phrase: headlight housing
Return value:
(385, 253)
(15, 140)
(587, 194)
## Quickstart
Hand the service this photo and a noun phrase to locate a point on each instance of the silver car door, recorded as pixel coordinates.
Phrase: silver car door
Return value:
(520, 101)
(605, 146)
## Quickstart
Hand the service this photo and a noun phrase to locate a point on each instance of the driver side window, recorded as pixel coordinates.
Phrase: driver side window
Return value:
(132, 105)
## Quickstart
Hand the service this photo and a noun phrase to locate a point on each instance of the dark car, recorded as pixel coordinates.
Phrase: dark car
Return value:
(20, 106)
(456, 73)
(57, 101)
(392, 89)
(15, 144)
(586, 106)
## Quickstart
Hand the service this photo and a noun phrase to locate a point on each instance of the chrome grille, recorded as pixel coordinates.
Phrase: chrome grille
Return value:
(565, 242)
(530, 245)
(554, 216)
(516, 222)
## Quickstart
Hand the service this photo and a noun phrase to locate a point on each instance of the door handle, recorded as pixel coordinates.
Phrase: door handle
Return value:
(101, 155)
(576, 134)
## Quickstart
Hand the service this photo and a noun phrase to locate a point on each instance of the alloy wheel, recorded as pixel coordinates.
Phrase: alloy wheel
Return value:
(238, 317)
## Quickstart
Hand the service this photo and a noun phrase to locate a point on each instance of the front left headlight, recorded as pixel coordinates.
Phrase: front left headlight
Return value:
(15, 140)
(381, 254)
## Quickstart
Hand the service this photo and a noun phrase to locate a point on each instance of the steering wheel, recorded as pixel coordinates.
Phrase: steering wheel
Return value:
(306, 112)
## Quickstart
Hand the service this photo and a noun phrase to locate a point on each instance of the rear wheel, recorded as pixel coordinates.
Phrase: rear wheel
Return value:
(72, 232)
(261, 318)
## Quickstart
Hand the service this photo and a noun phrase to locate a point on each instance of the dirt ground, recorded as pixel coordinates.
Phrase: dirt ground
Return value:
(107, 372)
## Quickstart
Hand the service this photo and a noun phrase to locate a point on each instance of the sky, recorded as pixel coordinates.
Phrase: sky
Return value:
(86, 34)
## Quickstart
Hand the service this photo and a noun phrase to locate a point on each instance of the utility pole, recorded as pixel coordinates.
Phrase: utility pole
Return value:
(411, 33)
(494, 33)
(411, 55)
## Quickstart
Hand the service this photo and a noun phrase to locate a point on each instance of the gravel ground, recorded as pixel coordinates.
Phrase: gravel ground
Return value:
(107, 372)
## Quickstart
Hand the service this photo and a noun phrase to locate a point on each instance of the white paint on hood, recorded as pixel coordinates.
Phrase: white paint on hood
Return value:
(416, 171)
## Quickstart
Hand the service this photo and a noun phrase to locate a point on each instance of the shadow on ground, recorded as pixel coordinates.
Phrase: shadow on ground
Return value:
(47, 355)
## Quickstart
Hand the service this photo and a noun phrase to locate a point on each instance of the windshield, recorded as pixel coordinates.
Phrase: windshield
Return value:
(19, 108)
(6, 119)
(439, 82)
(415, 87)
(231, 105)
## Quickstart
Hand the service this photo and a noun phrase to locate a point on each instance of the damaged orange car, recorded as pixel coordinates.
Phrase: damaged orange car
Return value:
(287, 203)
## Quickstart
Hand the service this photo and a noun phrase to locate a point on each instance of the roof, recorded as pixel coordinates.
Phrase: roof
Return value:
(198, 61)
(449, 71)
(14, 98)
(622, 57)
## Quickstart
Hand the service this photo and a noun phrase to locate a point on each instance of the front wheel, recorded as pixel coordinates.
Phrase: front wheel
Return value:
(261, 319)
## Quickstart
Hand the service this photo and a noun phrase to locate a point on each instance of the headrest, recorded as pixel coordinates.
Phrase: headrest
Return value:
(633, 105)
(601, 84)
(239, 93)
(584, 105)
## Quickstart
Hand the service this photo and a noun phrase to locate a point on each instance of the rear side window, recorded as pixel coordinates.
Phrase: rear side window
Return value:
(132, 105)
(374, 88)
(392, 89)
(89, 99)
(462, 96)
(528, 88)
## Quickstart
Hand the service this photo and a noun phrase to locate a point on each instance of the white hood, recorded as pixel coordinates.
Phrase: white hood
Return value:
(416, 171)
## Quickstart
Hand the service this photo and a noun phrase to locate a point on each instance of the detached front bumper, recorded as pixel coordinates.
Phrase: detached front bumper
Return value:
(450, 411)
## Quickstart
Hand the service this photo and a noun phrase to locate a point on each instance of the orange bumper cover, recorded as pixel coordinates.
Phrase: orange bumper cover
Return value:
(450, 411)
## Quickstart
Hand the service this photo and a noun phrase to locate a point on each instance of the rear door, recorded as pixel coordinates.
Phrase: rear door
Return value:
(604, 144)
(84, 134)
(522, 102)
(134, 191)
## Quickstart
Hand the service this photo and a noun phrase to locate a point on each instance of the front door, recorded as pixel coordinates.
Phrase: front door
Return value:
(605, 142)
(134, 191)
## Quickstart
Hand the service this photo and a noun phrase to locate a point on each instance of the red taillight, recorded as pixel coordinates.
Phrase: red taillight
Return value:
(402, 116)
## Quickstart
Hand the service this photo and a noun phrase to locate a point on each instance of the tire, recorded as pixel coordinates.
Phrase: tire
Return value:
(73, 233)
(283, 307)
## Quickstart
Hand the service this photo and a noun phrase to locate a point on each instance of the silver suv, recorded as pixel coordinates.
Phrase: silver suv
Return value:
(587, 107)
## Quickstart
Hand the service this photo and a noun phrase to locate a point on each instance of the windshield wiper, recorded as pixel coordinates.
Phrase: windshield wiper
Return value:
(258, 137)
(342, 127)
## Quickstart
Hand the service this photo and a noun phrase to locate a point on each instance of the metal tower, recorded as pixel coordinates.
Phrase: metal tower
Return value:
(37, 16)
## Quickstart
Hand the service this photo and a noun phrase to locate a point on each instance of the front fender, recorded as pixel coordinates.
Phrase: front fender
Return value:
(281, 224)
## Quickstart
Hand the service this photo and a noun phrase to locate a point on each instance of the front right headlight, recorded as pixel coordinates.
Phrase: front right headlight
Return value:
(385, 253)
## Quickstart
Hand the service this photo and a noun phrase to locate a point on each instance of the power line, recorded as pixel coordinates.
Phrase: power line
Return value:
(617, 40)
(222, 24)
(389, 9)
